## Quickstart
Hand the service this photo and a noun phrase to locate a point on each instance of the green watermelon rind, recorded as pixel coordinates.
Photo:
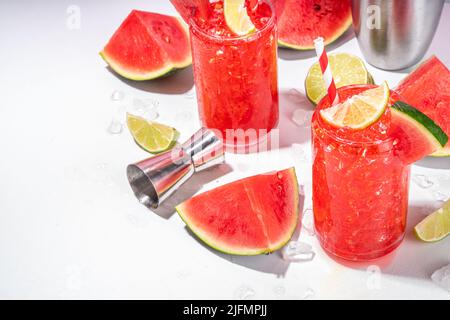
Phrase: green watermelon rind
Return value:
(159, 73)
(339, 32)
(434, 134)
(273, 248)
(166, 70)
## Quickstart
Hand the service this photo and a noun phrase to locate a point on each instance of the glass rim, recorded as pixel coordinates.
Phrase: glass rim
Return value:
(357, 144)
(196, 29)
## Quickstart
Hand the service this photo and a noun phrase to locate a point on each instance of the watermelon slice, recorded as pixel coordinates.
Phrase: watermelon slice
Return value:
(428, 89)
(148, 45)
(417, 136)
(251, 216)
(299, 22)
(192, 9)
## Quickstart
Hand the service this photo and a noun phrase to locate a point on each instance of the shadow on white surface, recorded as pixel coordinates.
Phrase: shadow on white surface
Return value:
(434, 163)
(180, 81)
(190, 188)
(271, 263)
(291, 54)
(292, 101)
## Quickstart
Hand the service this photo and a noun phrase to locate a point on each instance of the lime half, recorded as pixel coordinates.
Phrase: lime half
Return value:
(359, 111)
(346, 68)
(236, 17)
(151, 136)
(436, 226)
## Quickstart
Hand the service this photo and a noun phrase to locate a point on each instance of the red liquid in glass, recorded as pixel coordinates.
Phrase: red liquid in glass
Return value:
(360, 187)
(236, 77)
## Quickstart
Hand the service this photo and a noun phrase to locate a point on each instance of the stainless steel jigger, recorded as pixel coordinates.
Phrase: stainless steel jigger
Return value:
(154, 179)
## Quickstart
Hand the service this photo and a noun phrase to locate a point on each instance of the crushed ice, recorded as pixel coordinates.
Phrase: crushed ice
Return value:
(441, 277)
(244, 292)
(423, 181)
(297, 251)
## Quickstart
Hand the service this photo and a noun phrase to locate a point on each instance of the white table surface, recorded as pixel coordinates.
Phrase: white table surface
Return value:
(69, 224)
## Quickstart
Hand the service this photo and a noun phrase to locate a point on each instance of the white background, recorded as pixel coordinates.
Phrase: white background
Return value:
(69, 224)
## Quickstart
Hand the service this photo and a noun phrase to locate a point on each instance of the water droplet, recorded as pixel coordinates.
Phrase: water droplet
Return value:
(297, 251)
(308, 221)
(441, 277)
(115, 127)
(244, 292)
(423, 181)
(309, 293)
(117, 95)
(439, 196)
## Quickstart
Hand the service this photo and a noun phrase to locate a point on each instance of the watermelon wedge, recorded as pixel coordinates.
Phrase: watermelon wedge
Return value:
(428, 89)
(147, 46)
(417, 136)
(251, 216)
(192, 9)
(299, 22)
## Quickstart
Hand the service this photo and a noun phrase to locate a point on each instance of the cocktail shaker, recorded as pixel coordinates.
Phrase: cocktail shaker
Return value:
(154, 179)
(395, 34)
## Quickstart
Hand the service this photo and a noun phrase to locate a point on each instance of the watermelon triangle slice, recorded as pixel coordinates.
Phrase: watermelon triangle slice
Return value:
(251, 216)
(148, 45)
(417, 136)
(428, 89)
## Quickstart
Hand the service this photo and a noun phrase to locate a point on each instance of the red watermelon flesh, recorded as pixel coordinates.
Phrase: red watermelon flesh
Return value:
(299, 22)
(192, 9)
(428, 89)
(148, 45)
(251, 216)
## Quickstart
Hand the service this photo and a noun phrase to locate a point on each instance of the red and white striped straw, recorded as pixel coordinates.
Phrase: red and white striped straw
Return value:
(326, 70)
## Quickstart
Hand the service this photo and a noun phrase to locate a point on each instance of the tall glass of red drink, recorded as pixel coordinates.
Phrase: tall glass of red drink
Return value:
(236, 76)
(360, 186)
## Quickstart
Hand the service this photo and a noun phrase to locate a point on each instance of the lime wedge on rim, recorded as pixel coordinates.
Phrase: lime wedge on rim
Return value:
(359, 111)
(436, 226)
(236, 17)
(346, 68)
(151, 136)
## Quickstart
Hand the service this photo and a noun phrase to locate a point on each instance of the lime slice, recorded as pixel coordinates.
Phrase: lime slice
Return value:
(346, 68)
(236, 17)
(436, 226)
(151, 136)
(359, 111)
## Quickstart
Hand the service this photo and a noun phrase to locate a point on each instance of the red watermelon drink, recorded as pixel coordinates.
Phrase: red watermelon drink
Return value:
(362, 151)
(236, 75)
(360, 186)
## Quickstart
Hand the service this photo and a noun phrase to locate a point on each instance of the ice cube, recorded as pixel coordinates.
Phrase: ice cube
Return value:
(439, 196)
(309, 293)
(115, 127)
(297, 251)
(117, 95)
(279, 290)
(441, 277)
(308, 221)
(423, 181)
(301, 117)
(244, 292)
